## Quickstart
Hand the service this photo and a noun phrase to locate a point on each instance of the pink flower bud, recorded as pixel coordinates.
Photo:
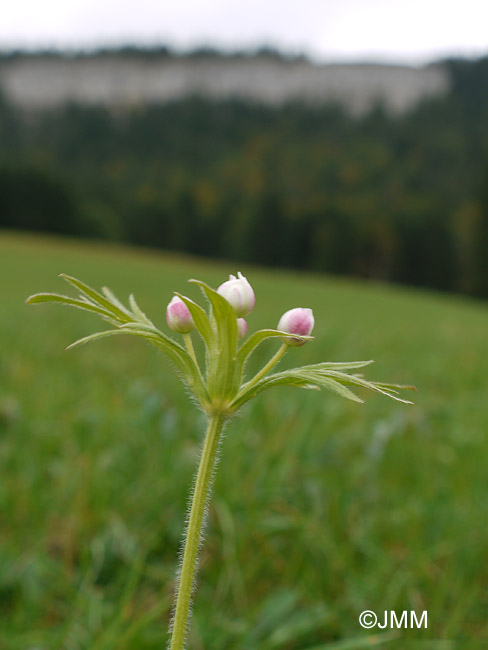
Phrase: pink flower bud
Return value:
(241, 327)
(239, 293)
(296, 321)
(178, 316)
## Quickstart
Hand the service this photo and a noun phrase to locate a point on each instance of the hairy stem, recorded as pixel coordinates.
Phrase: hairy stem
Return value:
(190, 348)
(191, 352)
(265, 369)
(194, 531)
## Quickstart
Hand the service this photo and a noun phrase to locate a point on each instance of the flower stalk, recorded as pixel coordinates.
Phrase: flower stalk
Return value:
(194, 532)
(269, 366)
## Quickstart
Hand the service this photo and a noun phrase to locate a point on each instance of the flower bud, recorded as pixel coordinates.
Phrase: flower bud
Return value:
(241, 327)
(296, 321)
(178, 316)
(239, 293)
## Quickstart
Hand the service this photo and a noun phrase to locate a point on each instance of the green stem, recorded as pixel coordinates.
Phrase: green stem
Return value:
(194, 531)
(271, 364)
(191, 352)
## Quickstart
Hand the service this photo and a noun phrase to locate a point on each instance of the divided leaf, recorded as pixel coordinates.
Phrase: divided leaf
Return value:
(296, 377)
(320, 376)
(121, 315)
(136, 323)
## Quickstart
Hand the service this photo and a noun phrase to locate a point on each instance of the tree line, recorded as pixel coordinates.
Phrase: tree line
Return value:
(401, 199)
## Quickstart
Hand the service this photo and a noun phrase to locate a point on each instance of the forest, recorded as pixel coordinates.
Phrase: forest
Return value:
(396, 199)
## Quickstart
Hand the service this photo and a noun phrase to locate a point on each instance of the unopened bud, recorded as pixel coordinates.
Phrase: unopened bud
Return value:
(239, 293)
(178, 316)
(296, 321)
(241, 327)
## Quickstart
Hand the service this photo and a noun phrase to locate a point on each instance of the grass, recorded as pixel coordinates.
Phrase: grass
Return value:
(322, 508)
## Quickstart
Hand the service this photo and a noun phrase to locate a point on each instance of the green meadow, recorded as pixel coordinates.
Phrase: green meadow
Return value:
(322, 508)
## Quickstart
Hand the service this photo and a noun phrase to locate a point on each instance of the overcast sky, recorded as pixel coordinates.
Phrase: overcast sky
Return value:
(413, 31)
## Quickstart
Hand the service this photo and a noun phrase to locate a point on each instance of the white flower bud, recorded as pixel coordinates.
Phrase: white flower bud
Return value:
(296, 321)
(239, 293)
(178, 316)
(241, 327)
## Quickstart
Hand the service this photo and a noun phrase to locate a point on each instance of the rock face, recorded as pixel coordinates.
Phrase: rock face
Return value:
(128, 81)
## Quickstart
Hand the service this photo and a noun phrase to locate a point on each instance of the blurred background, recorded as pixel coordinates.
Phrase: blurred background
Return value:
(337, 154)
(352, 141)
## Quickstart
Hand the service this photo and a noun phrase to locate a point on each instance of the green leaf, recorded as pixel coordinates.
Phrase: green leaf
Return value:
(137, 311)
(95, 337)
(354, 380)
(66, 300)
(395, 386)
(320, 375)
(222, 378)
(339, 365)
(295, 377)
(120, 314)
(113, 298)
(148, 329)
(336, 387)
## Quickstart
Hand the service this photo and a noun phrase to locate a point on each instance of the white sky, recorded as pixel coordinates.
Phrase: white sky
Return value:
(414, 31)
